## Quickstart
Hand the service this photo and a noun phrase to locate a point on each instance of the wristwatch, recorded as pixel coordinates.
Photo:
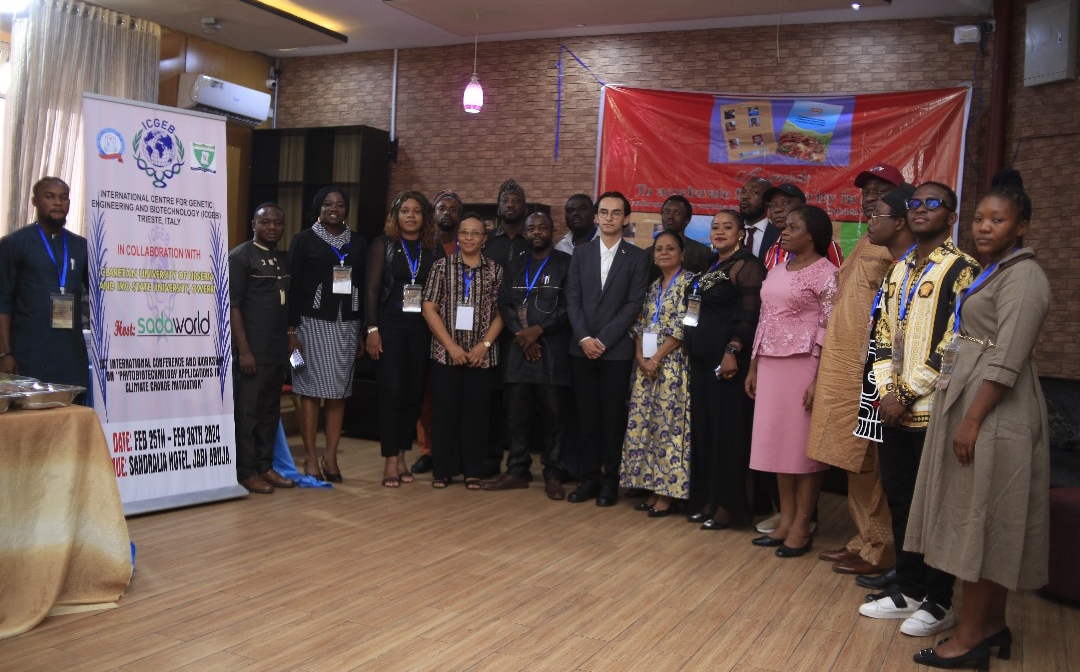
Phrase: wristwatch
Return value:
(487, 344)
(372, 330)
(732, 349)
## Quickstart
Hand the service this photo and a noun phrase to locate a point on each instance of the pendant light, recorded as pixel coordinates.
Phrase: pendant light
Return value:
(474, 93)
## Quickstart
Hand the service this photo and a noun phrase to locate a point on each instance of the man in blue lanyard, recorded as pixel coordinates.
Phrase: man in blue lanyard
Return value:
(532, 301)
(43, 274)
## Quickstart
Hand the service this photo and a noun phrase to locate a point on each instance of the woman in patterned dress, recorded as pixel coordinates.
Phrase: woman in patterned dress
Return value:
(796, 300)
(325, 310)
(656, 449)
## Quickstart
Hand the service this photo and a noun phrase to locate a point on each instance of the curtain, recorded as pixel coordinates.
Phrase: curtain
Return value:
(60, 50)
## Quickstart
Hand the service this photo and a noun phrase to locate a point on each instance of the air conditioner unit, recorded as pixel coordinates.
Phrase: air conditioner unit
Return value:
(239, 103)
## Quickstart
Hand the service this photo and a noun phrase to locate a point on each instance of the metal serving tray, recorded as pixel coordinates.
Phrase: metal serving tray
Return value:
(38, 396)
(5, 400)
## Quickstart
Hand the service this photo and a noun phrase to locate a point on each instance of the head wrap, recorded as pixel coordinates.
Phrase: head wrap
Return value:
(510, 186)
(445, 193)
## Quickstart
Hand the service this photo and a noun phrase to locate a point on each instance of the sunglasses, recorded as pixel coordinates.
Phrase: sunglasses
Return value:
(930, 203)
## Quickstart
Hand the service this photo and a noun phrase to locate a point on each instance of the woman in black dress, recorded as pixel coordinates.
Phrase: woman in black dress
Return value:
(398, 339)
(721, 415)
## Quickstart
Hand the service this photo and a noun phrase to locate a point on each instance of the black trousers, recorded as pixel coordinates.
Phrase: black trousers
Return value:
(400, 378)
(257, 409)
(460, 400)
(601, 388)
(533, 416)
(721, 416)
(899, 454)
(570, 450)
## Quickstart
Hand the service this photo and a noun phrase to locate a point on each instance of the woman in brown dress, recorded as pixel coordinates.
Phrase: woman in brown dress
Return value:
(980, 510)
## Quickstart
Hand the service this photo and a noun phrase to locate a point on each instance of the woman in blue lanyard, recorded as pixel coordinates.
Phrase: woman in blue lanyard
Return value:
(398, 339)
(656, 449)
(718, 342)
(326, 262)
(980, 508)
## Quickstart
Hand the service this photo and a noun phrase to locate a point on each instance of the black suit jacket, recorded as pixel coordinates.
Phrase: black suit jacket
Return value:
(771, 235)
(607, 313)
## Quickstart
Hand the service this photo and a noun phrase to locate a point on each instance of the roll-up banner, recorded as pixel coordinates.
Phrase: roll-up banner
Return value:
(654, 144)
(160, 344)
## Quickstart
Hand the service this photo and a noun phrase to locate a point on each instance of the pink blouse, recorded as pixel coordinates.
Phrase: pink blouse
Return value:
(795, 309)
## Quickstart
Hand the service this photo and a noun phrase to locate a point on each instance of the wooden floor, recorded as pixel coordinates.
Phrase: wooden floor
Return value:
(363, 577)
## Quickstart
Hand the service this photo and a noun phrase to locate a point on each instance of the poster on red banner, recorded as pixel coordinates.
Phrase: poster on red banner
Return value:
(160, 333)
(654, 144)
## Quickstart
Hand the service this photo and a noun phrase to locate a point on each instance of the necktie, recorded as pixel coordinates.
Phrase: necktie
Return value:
(750, 238)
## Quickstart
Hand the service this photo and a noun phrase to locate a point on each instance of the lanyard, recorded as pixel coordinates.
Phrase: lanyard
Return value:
(530, 284)
(660, 296)
(967, 292)
(716, 265)
(881, 290)
(910, 294)
(61, 269)
(414, 266)
(341, 255)
(467, 276)
(779, 251)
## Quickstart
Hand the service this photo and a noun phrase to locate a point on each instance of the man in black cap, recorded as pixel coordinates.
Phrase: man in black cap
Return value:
(506, 242)
(760, 233)
(782, 199)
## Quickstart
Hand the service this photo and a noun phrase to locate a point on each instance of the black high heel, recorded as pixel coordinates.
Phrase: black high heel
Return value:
(1002, 639)
(979, 654)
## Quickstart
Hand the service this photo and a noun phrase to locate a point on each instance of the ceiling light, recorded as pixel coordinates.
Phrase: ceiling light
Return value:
(209, 25)
(856, 6)
(473, 100)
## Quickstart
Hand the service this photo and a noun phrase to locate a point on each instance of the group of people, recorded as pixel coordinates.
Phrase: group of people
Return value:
(689, 374)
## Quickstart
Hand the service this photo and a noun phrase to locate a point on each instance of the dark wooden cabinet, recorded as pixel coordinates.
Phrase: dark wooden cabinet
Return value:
(290, 165)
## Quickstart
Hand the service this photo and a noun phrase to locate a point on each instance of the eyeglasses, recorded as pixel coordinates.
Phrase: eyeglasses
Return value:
(873, 217)
(609, 214)
(470, 234)
(930, 203)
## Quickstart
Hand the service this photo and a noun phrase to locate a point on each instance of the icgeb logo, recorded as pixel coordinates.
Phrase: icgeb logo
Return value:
(199, 325)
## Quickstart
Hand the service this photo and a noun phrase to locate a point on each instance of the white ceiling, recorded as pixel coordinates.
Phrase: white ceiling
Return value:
(369, 25)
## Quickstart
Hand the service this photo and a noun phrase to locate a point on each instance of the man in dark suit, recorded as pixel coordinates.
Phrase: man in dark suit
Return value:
(760, 233)
(604, 290)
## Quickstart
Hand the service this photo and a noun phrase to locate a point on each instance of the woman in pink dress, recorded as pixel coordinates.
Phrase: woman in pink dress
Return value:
(796, 299)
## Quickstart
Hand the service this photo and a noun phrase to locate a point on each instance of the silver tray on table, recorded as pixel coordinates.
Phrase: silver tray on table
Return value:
(38, 396)
(6, 398)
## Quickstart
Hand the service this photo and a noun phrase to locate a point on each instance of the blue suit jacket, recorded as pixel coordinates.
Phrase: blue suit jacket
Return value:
(606, 313)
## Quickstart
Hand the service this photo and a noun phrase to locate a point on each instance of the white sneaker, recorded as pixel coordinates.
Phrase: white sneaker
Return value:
(890, 606)
(930, 619)
(769, 524)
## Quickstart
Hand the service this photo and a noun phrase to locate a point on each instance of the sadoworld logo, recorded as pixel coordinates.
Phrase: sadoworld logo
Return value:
(197, 325)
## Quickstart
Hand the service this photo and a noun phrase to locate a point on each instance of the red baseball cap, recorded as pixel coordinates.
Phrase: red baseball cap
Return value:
(881, 171)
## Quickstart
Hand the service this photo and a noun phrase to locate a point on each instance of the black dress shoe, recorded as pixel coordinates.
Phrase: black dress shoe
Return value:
(766, 540)
(786, 551)
(608, 495)
(642, 506)
(585, 491)
(661, 513)
(697, 518)
(713, 524)
(422, 465)
(980, 655)
(879, 582)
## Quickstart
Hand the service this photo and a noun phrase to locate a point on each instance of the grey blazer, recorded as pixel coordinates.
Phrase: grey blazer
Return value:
(606, 314)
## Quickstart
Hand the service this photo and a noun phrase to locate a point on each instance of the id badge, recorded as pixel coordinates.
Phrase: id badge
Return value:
(410, 299)
(649, 343)
(63, 311)
(342, 279)
(463, 317)
(948, 363)
(898, 352)
(523, 315)
(693, 311)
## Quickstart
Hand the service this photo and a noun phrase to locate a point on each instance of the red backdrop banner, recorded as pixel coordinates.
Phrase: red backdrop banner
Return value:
(704, 146)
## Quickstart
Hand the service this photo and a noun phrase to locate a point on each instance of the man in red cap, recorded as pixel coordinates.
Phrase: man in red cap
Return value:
(836, 405)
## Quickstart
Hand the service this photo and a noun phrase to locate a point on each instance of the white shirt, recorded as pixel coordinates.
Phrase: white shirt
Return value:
(567, 242)
(759, 235)
(607, 256)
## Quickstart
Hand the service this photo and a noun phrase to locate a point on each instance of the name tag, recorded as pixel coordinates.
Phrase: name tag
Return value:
(410, 299)
(523, 315)
(63, 311)
(342, 279)
(463, 318)
(649, 342)
(693, 311)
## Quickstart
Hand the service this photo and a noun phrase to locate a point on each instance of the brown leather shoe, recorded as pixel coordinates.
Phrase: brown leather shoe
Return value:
(553, 488)
(856, 566)
(506, 482)
(277, 480)
(257, 485)
(839, 555)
